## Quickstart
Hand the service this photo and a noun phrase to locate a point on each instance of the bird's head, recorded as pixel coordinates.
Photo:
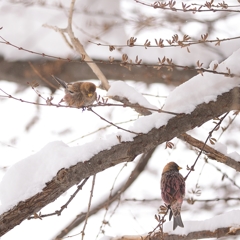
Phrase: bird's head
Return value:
(171, 166)
(89, 89)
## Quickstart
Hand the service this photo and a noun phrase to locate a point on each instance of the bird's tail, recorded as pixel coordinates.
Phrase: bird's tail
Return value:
(60, 81)
(177, 221)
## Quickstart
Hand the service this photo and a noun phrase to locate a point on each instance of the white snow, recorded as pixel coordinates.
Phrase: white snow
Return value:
(204, 88)
(220, 147)
(200, 89)
(123, 90)
(234, 155)
(106, 238)
(223, 149)
(28, 176)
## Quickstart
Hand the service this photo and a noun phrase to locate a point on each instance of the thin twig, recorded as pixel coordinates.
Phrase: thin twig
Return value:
(202, 149)
(194, 200)
(101, 128)
(89, 206)
(104, 221)
(183, 43)
(36, 91)
(90, 61)
(161, 221)
(185, 9)
(229, 124)
(130, 180)
(49, 103)
(225, 175)
(99, 104)
(104, 119)
(132, 105)
(58, 212)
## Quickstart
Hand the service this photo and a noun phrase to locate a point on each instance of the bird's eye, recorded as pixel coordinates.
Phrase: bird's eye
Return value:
(90, 94)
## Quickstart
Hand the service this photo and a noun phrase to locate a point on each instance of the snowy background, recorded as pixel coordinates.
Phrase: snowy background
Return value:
(60, 135)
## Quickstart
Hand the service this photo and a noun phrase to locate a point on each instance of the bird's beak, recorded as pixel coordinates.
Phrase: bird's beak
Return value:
(90, 95)
(179, 168)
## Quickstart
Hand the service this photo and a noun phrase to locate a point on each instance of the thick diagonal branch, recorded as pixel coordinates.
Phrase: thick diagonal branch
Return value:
(123, 152)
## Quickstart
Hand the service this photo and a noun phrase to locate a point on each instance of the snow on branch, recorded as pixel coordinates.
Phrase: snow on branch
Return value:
(211, 152)
(106, 155)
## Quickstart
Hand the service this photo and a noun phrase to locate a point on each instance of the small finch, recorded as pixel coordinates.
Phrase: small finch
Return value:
(173, 191)
(79, 94)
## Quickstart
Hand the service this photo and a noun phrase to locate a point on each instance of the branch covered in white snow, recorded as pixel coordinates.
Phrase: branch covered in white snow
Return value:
(106, 154)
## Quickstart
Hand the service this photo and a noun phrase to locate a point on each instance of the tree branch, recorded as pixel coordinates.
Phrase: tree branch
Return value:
(123, 152)
(211, 152)
(21, 72)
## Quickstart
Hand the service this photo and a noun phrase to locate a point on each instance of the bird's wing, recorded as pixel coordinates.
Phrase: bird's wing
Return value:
(178, 187)
(173, 188)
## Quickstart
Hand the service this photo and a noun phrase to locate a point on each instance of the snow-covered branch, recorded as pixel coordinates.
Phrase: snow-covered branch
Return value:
(211, 152)
(122, 152)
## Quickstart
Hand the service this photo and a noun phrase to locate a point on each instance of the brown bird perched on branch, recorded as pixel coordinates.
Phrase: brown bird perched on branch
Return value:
(79, 94)
(173, 191)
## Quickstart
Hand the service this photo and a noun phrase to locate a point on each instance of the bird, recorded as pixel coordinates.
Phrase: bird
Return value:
(79, 94)
(173, 191)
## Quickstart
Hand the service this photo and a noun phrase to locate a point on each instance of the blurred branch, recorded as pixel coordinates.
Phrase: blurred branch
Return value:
(80, 49)
(21, 72)
(122, 152)
(89, 207)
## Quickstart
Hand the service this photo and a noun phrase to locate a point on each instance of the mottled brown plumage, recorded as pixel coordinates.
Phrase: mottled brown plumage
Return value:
(173, 191)
(79, 94)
